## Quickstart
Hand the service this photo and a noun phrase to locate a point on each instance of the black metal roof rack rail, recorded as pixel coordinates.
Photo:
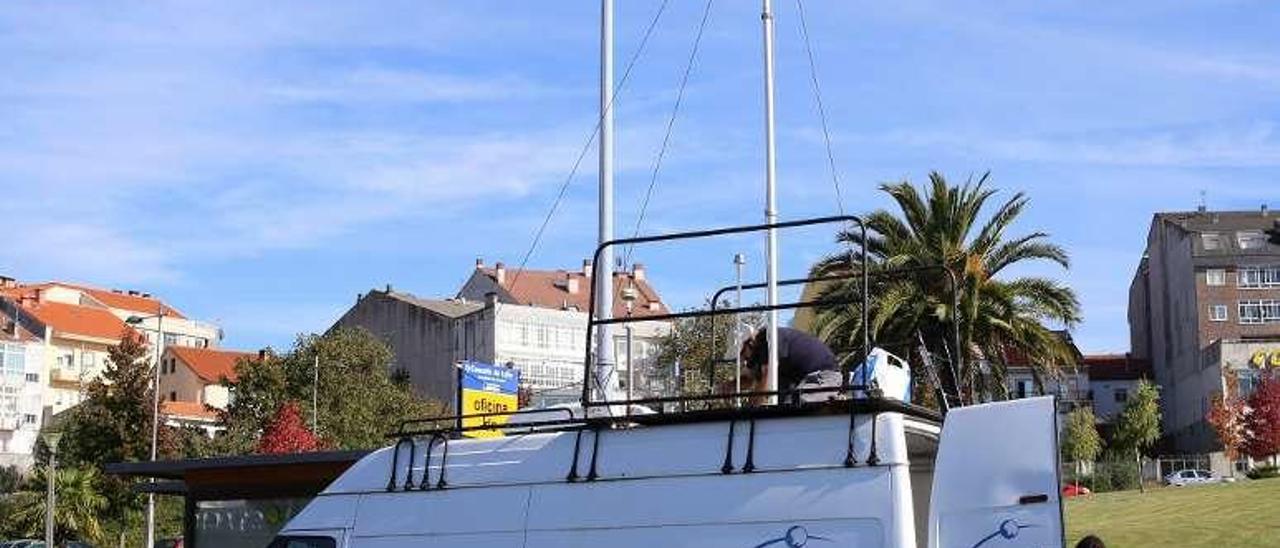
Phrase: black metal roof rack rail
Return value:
(592, 321)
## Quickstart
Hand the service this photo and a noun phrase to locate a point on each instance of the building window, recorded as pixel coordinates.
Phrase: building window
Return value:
(30, 419)
(1215, 276)
(1211, 241)
(173, 396)
(12, 360)
(1259, 312)
(1218, 313)
(170, 339)
(1253, 239)
(1121, 395)
(33, 377)
(1249, 381)
(1259, 277)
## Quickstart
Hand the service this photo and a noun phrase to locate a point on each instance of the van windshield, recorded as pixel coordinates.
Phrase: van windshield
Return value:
(303, 542)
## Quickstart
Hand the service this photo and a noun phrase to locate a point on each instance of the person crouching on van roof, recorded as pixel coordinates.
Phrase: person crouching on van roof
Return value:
(804, 361)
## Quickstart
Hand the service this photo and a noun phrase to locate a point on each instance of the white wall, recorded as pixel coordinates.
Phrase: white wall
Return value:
(21, 402)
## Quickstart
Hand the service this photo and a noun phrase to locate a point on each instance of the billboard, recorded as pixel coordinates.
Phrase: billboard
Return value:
(485, 388)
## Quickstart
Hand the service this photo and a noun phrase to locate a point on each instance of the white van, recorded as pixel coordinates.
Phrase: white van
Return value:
(782, 477)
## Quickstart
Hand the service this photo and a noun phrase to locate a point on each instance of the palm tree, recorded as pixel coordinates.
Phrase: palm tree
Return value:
(997, 318)
(76, 512)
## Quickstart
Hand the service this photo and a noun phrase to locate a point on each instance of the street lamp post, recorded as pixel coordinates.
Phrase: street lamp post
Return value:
(155, 413)
(51, 439)
(629, 298)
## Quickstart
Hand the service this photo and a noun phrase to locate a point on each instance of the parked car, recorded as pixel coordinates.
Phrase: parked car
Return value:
(1189, 477)
(22, 543)
(1075, 490)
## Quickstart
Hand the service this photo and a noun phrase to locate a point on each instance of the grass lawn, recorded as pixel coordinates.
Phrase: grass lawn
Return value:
(1242, 514)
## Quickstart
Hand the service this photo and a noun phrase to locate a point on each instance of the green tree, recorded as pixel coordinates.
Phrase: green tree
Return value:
(1081, 442)
(689, 344)
(77, 512)
(358, 400)
(948, 226)
(10, 479)
(113, 423)
(1138, 425)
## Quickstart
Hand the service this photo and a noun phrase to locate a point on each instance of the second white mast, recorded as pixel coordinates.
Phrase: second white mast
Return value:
(771, 197)
(603, 272)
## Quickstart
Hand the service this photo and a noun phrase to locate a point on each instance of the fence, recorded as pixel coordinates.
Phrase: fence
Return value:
(1121, 474)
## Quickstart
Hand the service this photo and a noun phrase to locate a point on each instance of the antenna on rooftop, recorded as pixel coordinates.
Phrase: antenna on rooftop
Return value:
(1204, 206)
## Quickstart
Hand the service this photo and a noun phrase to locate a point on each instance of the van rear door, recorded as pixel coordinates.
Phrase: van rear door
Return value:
(995, 483)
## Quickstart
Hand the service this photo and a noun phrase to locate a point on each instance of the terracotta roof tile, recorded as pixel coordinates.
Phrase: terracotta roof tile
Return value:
(550, 289)
(125, 301)
(109, 298)
(208, 364)
(188, 410)
(1116, 367)
(78, 320)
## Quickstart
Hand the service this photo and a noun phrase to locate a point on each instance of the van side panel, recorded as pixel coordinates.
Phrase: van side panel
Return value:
(814, 534)
(452, 512)
(733, 510)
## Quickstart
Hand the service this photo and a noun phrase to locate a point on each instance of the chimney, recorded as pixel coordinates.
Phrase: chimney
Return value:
(479, 263)
(146, 295)
(262, 354)
(500, 272)
(571, 283)
(133, 293)
(388, 288)
(637, 272)
(586, 267)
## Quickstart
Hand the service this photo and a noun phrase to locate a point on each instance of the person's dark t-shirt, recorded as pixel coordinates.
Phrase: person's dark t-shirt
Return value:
(799, 354)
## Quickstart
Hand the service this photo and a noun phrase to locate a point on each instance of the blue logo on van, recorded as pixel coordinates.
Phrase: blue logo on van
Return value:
(1008, 530)
(796, 537)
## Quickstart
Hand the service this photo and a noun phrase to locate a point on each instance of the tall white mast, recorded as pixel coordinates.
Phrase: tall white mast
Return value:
(771, 197)
(603, 272)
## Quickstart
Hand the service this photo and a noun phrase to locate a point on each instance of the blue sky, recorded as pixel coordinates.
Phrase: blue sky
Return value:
(259, 164)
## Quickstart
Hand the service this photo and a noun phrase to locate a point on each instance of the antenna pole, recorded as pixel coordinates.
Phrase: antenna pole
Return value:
(771, 197)
(603, 272)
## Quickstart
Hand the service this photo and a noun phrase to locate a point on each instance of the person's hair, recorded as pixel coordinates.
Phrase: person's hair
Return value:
(1090, 541)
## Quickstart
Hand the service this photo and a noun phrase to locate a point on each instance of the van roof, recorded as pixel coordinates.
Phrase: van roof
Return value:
(695, 448)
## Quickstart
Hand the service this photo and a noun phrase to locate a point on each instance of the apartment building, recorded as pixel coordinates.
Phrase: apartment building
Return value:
(1204, 298)
(65, 333)
(21, 393)
(191, 390)
(1101, 383)
(540, 324)
(536, 323)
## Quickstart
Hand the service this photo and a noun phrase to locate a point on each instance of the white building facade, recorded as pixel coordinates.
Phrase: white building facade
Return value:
(22, 393)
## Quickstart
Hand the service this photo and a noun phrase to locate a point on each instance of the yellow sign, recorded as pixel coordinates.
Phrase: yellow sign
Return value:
(1264, 358)
(486, 392)
(476, 402)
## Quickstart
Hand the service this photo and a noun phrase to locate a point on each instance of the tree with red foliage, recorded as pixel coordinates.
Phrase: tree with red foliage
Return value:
(286, 433)
(1227, 416)
(1262, 424)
